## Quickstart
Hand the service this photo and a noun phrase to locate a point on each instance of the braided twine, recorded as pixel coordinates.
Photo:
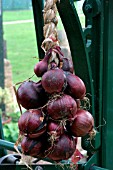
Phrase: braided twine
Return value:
(50, 24)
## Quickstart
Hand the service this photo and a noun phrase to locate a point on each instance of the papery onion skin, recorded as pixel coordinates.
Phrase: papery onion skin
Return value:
(63, 148)
(71, 116)
(32, 123)
(82, 124)
(53, 65)
(55, 128)
(68, 65)
(78, 103)
(75, 86)
(31, 95)
(61, 107)
(40, 68)
(32, 147)
(53, 81)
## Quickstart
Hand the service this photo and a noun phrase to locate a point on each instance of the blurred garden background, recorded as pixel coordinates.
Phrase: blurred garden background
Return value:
(20, 54)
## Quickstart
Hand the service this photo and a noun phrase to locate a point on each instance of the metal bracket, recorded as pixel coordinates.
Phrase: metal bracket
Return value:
(91, 163)
(92, 8)
(97, 168)
(88, 37)
(10, 158)
(93, 160)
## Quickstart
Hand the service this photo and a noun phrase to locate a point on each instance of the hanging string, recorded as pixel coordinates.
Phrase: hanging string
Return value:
(50, 24)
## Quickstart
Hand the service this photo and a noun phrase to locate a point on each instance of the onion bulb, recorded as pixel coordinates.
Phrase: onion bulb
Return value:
(32, 123)
(75, 86)
(61, 107)
(53, 81)
(63, 148)
(82, 124)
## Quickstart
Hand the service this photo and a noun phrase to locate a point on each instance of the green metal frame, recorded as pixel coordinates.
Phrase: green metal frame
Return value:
(107, 101)
(38, 7)
(91, 50)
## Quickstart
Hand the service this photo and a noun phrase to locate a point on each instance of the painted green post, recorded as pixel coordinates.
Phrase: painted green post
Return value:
(38, 21)
(107, 130)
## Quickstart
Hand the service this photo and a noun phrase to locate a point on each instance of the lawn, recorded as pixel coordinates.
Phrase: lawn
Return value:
(21, 45)
(21, 48)
(17, 15)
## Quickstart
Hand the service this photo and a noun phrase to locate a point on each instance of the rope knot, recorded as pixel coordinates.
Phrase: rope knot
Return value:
(50, 24)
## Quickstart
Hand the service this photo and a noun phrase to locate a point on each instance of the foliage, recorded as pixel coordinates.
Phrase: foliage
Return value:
(10, 129)
(5, 98)
(3, 93)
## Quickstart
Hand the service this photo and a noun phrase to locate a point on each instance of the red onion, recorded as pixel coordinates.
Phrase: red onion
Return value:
(63, 148)
(31, 95)
(72, 116)
(55, 128)
(61, 107)
(53, 65)
(67, 65)
(78, 103)
(59, 53)
(53, 81)
(82, 124)
(76, 87)
(32, 123)
(32, 147)
(42, 66)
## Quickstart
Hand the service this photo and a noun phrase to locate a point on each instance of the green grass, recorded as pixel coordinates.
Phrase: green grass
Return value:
(17, 15)
(21, 43)
(21, 48)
